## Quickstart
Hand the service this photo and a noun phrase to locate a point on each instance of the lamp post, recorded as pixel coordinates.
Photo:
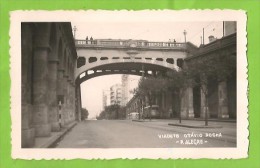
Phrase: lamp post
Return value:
(74, 31)
(185, 33)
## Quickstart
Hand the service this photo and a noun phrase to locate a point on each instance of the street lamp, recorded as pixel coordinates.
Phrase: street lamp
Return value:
(185, 33)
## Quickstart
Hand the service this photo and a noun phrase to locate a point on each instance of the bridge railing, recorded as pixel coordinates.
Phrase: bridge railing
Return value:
(128, 43)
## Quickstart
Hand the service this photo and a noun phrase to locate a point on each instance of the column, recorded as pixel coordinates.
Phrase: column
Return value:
(28, 133)
(73, 102)
(203, 101)
(78, 100)
(60, 90)
(69, 102)
(183, 103)
(52, 95)
(190, 102)
(40, 88)
(223, 100)
(187, 110)
(66, 99)
(72, 95)
(164, 111)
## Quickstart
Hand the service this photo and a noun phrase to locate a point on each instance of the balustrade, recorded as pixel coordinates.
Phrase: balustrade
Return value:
(128, 43)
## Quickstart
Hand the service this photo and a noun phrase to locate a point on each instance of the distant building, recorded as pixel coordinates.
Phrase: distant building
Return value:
(230, 27)
(116, 94)
(104, 98)
(212, 38)
(125, 89)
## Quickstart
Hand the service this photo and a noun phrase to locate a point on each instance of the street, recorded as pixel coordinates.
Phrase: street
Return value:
(148, 134)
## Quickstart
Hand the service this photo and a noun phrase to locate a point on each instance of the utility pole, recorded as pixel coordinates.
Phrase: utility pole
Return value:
(185, 33)
(223, 29)
(203, 36)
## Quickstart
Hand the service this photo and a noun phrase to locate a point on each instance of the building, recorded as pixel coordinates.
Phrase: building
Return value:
(48, 87)
(105, 98)
(116, 94)
(230, 27)
(221, 95)
(125, 89)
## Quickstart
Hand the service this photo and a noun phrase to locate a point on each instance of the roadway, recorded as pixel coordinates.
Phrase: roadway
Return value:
(154, 134)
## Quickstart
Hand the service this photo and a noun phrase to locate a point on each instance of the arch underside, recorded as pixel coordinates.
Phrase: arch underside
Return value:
(140, 69)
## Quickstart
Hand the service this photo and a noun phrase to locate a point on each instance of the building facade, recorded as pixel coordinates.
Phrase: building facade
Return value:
(50, 98)
(125, 89)
(104, 99)
(221, 94)
(116, 94)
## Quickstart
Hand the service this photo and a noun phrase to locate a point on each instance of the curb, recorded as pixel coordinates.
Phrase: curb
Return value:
(210, 120)
(142, 120)
(55, 139)
(194, 126)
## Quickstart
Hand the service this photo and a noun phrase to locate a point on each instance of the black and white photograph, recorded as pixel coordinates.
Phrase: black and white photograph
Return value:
(129, 84)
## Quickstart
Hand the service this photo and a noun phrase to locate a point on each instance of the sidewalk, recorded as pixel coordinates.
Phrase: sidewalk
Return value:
(49, 142)
(192, 119)
(193, 123)
(227, 129)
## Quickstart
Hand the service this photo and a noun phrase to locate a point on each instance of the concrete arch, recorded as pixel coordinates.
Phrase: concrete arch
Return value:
(140, 69)
(87, 77)
(107, 63)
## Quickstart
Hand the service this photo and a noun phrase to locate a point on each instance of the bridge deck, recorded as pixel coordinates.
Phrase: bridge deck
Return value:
(128, 44)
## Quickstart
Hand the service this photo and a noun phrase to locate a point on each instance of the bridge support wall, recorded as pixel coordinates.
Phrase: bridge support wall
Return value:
(28, 131)
(44, 62)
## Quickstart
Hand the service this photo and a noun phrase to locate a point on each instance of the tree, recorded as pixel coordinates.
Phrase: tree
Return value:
(84, 113)
(101, 116)
(178, 82)
(196, 72)
(122, 113)
(111, 112)
(149, 87)
(215, 67)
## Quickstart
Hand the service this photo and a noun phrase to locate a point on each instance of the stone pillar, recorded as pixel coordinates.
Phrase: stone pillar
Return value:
(203, 102)
(60, 90)
(163, 99)
(69, 96)
(187, 110)
(78, 102)
(73, 106)
(223, 100)
(66, 97)
(183, 103)
(52, 95)
(71, 103)
(28, 133)
(65, 105)
(190, 102)
(40, 88)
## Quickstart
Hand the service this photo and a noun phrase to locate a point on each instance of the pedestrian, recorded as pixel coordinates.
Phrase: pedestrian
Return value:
(91, 40)
(87, 40)
(174, 41)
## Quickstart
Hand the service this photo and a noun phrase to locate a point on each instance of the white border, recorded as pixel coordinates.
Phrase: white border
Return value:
(145, 16)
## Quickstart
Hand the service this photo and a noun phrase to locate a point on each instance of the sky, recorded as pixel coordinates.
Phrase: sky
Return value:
(91, 90)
